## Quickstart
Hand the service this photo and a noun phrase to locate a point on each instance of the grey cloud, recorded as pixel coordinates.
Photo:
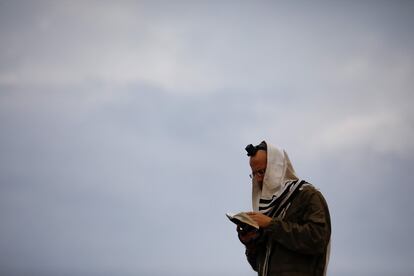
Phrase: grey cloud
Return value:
(124, 123)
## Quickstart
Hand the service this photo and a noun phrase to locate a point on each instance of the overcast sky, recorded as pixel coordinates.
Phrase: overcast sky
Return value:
(123, 126)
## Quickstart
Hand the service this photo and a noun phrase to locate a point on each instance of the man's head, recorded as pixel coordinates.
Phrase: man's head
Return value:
(258, 161)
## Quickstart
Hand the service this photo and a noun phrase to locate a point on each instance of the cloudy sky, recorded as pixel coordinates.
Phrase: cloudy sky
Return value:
(123, 126)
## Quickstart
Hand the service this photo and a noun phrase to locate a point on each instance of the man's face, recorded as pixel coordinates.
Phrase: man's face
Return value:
(258, 165)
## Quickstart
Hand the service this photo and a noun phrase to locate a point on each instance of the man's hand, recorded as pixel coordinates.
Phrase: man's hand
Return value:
(262, 220)
(246, 236)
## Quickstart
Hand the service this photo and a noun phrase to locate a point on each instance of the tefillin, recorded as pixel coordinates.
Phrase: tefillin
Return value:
(252, 150)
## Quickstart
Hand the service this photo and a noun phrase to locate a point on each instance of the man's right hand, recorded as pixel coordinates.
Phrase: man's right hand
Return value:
(246, 237)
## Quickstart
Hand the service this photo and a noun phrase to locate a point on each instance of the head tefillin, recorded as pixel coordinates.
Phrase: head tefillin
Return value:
(252, 150)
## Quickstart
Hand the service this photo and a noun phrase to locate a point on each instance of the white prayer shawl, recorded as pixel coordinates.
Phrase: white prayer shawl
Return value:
(279, 172)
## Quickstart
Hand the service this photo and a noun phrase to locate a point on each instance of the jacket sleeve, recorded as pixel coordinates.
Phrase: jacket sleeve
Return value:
(253, 249)
(251, 256)
(311, 234)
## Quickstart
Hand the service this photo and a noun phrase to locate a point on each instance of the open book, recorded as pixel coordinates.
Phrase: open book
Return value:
(243, 220)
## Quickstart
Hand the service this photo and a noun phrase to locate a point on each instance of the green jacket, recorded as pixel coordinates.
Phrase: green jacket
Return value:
(299, 241)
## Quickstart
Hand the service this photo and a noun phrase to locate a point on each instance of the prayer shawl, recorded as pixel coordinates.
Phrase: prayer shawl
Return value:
(280, 185)
(279, 173)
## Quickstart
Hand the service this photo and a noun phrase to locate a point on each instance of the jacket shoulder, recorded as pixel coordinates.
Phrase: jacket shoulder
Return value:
(308, 194)
(308, 190)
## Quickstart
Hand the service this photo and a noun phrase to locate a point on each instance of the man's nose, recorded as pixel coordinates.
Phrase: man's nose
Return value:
(259, 177)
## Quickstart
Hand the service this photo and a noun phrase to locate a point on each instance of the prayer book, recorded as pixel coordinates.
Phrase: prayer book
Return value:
(243, 220)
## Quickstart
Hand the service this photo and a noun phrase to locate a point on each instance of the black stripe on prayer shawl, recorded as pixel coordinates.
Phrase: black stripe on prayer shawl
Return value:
(266, 201)
(275, 201)
(275, 210)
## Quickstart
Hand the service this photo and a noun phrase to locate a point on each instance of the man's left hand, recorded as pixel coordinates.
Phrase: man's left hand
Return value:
(261, 219)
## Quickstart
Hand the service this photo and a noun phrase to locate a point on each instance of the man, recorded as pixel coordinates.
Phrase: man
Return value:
(295, 228)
